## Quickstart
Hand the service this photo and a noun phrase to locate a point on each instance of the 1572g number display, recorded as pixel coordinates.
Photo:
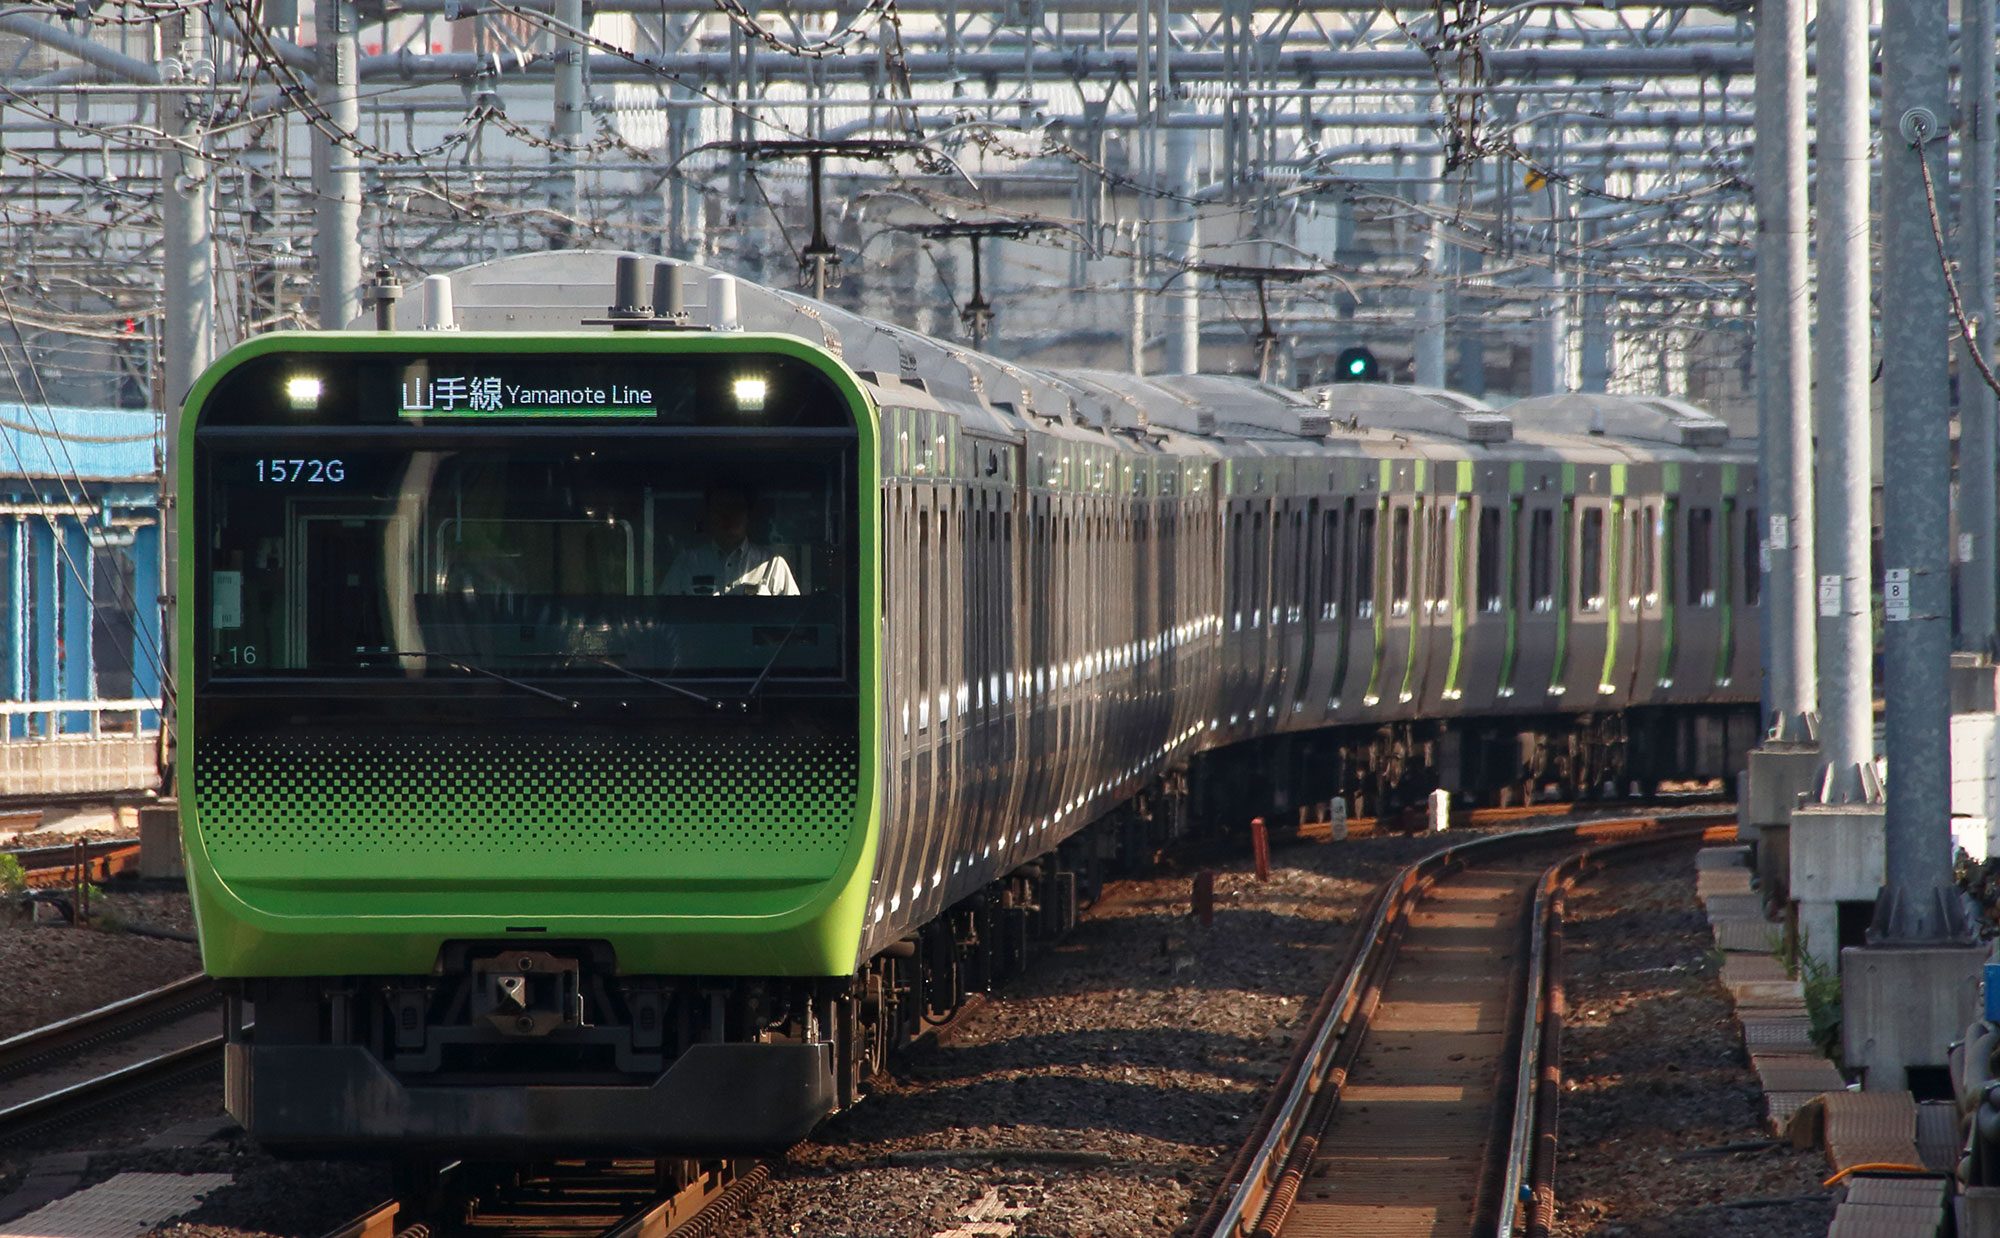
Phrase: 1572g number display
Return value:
(303, 472)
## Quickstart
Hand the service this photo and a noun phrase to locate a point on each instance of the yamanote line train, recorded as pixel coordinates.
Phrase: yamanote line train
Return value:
(528, 816)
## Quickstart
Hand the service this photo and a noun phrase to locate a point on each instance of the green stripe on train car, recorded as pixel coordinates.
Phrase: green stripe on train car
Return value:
(1614, 609)
(1461, 519)
(315, 908)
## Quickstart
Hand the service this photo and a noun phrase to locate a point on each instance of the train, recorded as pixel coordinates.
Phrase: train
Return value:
(614, 717)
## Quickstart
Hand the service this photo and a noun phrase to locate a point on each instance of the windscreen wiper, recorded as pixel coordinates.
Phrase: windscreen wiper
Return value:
(757, 684)
(668, 684)
(473, 668)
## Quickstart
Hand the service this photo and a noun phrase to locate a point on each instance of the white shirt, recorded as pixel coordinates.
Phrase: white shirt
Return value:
(749, 570)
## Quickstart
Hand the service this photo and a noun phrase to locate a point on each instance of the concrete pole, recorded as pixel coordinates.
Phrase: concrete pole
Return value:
(1784, 367)
(1184, 246)
(1138, 330)
(1596, 343)
(566, 126)
(1471, 340)
(1978, 514)
(337, 169)
(187, 301)
(187, 293)
(1430, 341)
(1918, 901)
(1843, 368)
(1548, 354)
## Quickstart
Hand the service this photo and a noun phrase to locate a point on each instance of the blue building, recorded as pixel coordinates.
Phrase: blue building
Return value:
(82, 655)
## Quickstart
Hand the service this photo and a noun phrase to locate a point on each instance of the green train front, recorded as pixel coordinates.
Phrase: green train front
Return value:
(515, 832)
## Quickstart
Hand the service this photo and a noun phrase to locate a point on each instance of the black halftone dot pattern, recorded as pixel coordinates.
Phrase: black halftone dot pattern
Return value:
(538, 795)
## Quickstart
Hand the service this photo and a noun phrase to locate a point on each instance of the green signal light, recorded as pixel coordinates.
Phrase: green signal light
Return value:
(1356, 364)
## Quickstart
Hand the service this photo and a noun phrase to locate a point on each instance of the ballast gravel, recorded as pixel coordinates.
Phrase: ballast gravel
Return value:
(1105, 1092)
(1662, 1126)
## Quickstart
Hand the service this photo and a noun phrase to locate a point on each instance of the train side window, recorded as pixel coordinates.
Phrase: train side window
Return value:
(1590, 562)
(1490, 595)
(1753, 560)
(1236, 565)
(1542, 560)
(1644, 590)
(1701, 556)
(1329, 566)
(925, 611)
(1260, 559)
(1364, 563)
(1399, 562)
(1436, 581)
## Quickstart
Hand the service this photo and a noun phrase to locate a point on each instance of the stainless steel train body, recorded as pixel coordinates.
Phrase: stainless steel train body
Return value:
(1092, 584)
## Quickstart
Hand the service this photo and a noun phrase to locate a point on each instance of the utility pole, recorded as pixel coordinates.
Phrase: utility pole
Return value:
(1978, 513)
(1784, 371)
(336, 167)
(1430, 339)
(1843, 365)
(187, 301)
(1183, 247)
(1919, 903)
(566, 126)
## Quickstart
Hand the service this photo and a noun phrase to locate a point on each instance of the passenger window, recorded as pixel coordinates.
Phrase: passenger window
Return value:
(1701, 556)
(1590, 562)
(924, 612)
(1236, 568)
(1541, 560)
(1438, 592)
(1260, 558)
(1329, 568)
(1364, 564)
(1399, 562)
(1490, 592)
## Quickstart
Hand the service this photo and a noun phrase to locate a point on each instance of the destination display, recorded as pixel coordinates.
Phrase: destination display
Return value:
(443, 388)
(490, 395)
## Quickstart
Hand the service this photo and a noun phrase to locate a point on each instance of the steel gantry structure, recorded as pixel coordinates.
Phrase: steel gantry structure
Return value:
(1528, 196)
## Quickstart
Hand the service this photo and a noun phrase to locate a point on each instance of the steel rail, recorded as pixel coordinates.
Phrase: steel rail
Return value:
(694, 1210)
(41, 1047)
(104, 1087)
(92, 1027)
(1255, 1190)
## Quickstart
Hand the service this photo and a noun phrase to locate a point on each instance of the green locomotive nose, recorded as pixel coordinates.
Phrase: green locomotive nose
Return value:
(562, 641)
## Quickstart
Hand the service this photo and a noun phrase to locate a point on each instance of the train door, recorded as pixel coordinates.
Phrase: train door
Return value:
(1617, 625)
(1642, 602)
(1014, 598)
(1537, 656)
(1666, 650)
(1461, 530)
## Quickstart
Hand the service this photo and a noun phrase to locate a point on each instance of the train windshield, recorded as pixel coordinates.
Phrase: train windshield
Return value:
(665, 557)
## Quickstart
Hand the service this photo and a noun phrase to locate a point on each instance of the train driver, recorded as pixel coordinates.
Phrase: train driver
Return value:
(728, 562)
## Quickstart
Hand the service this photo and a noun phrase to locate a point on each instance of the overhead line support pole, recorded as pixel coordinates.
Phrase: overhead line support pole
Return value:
(1919, 902)
(1979, 515)
(1783, 356)
(336, 167)
(1844, 364)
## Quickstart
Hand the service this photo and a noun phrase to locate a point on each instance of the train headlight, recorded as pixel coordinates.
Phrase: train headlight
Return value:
(750, 393)
(302, 391)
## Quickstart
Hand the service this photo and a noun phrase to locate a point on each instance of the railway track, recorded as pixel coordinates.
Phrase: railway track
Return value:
(68, 1069)
(570, 1199)
(1423, 1098)
(65, 863)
